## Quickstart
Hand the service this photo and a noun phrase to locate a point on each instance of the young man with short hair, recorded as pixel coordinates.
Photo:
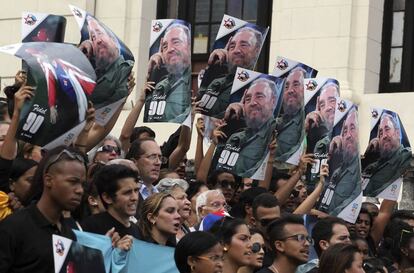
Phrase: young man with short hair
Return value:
(326, 232)
(118, 189)
(290, 242)
(26, 235)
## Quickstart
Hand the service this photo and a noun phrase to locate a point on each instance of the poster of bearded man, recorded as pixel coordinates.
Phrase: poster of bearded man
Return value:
(238, 44)
(168, 99)
(290, 123)
(387, 156)
(320, 101)
(112, 61)
(342, 194)
(255, 99)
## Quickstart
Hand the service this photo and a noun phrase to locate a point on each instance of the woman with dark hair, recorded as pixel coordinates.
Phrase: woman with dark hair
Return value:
(21, 177)
(341, 258)
(160, 220)
(199, 252)
(234, 235)
(256, 258)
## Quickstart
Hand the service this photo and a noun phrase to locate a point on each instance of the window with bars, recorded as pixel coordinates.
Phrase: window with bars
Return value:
(397, 62)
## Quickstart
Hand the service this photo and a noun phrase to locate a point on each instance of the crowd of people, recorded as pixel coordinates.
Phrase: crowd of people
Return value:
(131, 188)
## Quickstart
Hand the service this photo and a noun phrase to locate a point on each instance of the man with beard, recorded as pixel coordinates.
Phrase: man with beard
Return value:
(345, 180)
(111, 69)
(318, 127)
(174, 88)
(242, 50)
(290, 124)
(249, 146)
(290, 242)
(393, 160)
(319, 123)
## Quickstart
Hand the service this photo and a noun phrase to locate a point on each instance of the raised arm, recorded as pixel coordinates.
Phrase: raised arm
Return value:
(9, 148)
(384, 216)
(199, 153)
(82, 139)
(205, 165)
(269, 167)
(284, 191)
(184, 141)
(133, 116)
(306, 206)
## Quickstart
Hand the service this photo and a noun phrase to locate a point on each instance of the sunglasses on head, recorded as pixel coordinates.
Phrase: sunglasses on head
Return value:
(256, 247)
(73, 156)
(109, 149)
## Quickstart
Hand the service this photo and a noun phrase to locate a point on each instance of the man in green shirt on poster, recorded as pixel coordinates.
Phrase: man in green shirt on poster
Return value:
(170, 100)
(245, 151)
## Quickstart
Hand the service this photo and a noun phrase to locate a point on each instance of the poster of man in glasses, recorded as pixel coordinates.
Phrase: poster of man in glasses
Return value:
(169, 68)
(342, 194)
(387, 156)
(238, 44)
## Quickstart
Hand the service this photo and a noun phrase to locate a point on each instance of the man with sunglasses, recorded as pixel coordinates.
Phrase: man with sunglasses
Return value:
(290, 242)
(26, 236)
(109, 150)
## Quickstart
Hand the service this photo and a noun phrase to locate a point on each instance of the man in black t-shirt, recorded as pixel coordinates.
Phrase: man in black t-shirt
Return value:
(290, 242)
(118, 189)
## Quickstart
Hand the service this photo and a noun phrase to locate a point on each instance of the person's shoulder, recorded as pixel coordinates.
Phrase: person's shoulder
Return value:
(264, 270)
(94, 220)
(17, 219)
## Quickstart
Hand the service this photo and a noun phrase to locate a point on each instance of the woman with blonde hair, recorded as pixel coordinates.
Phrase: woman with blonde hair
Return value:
(160, 220)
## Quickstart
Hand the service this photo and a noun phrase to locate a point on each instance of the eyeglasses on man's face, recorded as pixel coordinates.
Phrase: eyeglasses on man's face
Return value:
(300, 238)
(155, 157)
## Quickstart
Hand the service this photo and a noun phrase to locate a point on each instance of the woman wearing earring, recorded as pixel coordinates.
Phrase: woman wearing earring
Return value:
(160, 220)
(256, 259)
(199, 252)
(234, 235)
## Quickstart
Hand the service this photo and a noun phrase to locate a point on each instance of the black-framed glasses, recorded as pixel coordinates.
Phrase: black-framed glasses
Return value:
(266, 222)
(300, 238)
(109, 149)
(214, 258)
(56, 158)
(256, 247)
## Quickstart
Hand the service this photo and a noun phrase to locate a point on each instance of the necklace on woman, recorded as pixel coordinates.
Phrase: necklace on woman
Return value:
(273, 268)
